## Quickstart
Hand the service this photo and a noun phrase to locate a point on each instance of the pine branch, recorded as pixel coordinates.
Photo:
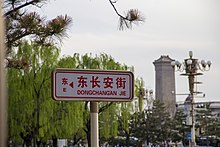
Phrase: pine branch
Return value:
(21, 6)
(133, 16)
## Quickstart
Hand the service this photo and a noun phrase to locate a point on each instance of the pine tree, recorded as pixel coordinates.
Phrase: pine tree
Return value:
(21, 23)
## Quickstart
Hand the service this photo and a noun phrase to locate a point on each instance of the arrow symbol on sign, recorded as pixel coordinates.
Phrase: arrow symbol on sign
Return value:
(71, 85)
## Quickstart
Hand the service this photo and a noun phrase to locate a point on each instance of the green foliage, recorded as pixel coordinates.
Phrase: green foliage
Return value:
(152, 125)
(124, 126)
(108, 121)
(140, 92)
(179, 128)
(161, 122)
(32, 113)
(125, 115)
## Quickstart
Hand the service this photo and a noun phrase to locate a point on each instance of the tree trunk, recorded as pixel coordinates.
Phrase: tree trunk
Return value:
(88, 133)
(88, 139)
(44, 143)
(55, 141)
(76, 139)
(127, 139)
(27, 139)
(38, 143)
(28, 142)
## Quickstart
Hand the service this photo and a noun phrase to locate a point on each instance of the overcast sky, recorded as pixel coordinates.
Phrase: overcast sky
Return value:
(172, 27)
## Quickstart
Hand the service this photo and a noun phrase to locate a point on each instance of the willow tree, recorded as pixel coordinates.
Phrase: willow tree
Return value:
(30, 104)
(124, 119)
(73, 127)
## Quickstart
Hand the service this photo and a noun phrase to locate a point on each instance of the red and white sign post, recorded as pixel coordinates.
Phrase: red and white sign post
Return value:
(94, 86)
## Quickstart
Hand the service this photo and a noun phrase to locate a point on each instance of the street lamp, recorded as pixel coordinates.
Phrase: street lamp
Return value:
(191, 67)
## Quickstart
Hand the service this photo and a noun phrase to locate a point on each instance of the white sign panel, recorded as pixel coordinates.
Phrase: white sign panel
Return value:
(93, 85)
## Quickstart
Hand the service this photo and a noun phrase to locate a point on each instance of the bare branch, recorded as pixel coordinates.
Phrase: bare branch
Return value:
(105, 107)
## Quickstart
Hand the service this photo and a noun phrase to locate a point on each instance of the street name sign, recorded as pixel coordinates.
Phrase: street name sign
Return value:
(92, 85)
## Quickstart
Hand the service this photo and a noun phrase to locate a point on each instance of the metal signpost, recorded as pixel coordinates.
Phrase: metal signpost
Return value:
(93, 86)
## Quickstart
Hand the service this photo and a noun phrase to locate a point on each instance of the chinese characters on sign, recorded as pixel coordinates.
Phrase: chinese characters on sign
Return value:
(92, 85)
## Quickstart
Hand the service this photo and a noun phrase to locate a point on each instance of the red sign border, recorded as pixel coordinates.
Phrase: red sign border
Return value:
(90, 71)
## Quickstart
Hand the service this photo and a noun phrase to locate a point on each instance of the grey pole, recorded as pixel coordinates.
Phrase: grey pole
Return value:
(94, 132)
(3, 104)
